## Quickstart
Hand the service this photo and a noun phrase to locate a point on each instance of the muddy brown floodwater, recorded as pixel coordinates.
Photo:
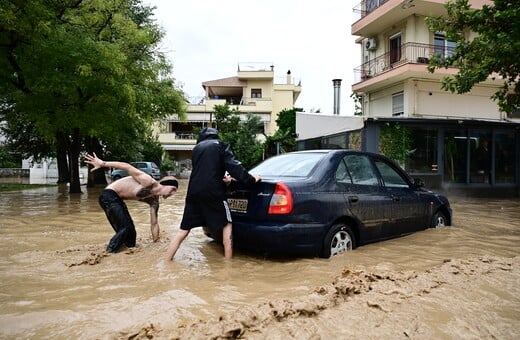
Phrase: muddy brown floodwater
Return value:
(460, 282)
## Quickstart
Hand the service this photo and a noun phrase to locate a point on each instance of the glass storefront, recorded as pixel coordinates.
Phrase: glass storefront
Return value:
(469, 156)
(483, 156)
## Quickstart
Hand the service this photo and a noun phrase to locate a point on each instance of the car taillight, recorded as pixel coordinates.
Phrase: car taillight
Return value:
(282, 200)
(153, 170)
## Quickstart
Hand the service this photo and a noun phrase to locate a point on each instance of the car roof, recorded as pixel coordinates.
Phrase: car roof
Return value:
(325, 151)
(332, 151)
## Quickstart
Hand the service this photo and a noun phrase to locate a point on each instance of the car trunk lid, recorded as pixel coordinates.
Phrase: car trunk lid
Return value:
(252, 202)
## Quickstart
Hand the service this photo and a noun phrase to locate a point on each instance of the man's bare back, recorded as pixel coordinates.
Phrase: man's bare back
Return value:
(129, 189)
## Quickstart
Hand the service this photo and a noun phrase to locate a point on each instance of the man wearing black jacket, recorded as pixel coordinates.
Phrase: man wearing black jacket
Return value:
(206, 203)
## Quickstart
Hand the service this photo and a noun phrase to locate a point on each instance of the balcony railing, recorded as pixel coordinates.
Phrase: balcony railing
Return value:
(367, 6)
(185, 135)
(409, 53)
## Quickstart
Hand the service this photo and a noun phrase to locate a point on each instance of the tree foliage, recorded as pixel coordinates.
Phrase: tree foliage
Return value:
(494, 50)
(395, 142)
(284, 139)
(22, 137)
(77, 69)
(241, 135)
(8, 159)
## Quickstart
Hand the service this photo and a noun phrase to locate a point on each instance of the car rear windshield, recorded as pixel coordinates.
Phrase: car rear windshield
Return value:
(288, 165)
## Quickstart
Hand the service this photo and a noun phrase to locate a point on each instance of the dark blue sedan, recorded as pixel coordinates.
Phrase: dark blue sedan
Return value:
(325, 202)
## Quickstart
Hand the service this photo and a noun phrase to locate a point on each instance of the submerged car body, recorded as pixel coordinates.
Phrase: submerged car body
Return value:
(324, 202)
(149, 167)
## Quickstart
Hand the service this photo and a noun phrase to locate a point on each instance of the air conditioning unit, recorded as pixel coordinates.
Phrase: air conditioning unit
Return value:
(371, 44)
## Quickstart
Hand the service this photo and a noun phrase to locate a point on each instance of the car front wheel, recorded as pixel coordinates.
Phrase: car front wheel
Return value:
(338, 240)
(439, 220)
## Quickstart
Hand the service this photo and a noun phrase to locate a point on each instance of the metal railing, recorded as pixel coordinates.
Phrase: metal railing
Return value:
(185, 135)
(367, 6)
(409, 53)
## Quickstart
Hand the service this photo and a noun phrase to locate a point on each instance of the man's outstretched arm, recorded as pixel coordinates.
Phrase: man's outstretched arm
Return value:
(141, 177)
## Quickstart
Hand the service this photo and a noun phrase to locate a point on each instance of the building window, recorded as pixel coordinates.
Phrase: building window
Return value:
(397, 104)
(422, 156)
(455, 155)
(481, 156)
(505, 167)
(256, 93)
(442, 46)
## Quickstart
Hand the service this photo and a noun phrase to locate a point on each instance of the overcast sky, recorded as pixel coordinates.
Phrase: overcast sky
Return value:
(206, 40)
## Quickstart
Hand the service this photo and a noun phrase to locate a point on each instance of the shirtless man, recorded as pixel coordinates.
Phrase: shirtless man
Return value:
(137, 186)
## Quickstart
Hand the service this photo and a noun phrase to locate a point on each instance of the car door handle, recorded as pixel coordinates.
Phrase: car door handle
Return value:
(353, 199)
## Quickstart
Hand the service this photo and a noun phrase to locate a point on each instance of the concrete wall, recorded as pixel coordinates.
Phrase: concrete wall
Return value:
(14, 172)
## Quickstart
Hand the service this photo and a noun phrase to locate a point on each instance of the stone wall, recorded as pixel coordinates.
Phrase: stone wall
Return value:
(14, 172)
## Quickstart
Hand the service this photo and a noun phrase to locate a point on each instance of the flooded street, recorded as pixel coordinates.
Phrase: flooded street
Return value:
(57, 281)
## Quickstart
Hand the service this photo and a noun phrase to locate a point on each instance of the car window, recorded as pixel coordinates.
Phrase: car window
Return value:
(342, 174)
(154, 165)
(391, 177)
(288, 165)
(361, 170)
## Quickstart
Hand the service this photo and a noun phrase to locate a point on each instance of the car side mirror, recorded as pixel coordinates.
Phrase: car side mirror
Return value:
(418, 183)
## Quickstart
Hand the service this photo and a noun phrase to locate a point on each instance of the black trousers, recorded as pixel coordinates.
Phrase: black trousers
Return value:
(120, 220)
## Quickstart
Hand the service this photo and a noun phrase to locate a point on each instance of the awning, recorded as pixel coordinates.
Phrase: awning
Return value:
(180, 147)
(313, 125)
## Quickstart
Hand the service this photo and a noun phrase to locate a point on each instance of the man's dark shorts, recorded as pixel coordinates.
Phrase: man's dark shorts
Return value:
(205, 212)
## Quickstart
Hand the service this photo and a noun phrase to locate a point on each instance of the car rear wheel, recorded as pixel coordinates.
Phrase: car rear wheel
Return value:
(338, 240)
(439, 220)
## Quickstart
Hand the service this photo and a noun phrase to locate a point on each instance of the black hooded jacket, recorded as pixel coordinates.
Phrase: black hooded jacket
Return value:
(211, 158)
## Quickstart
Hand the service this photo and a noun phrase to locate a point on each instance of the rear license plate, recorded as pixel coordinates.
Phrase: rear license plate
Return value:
(237, 204)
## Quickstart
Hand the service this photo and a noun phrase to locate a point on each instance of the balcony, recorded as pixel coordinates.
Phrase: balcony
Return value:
(179, 138)
(409, 54)
(367, 6)
(371, 17)
(415, 53)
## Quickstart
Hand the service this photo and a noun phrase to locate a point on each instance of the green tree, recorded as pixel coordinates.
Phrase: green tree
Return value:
(247, 148)
(227, 121)
(286, 120)
(9, 159)
(494, 50)
(241, 135)
(21, 136)
(284, 139)
(394, 142)
(82, 69)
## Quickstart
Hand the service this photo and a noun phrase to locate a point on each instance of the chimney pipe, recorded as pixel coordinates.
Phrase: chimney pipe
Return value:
(337, 94)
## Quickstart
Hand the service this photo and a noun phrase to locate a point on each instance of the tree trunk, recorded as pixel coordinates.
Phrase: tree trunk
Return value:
(61, 157)
(73, 151)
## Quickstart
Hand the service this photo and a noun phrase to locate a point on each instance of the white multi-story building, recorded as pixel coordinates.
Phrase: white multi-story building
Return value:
(255, 89)
(456, 140)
